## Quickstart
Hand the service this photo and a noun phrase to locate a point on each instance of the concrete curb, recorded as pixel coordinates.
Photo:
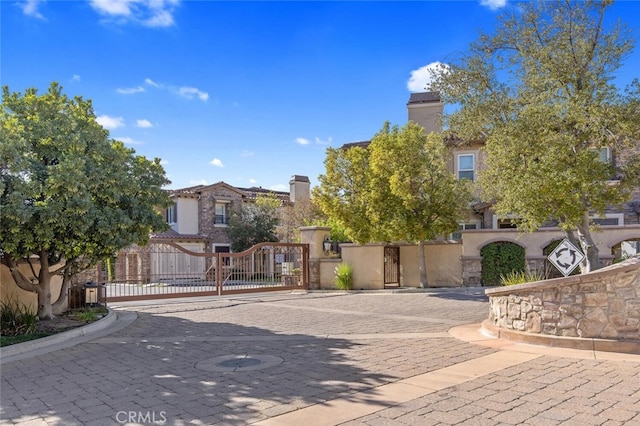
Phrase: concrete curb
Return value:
(588, 344)
(56, 341)
(476, 334)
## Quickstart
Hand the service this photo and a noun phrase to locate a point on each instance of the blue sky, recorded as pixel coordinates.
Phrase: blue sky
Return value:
(249, 93)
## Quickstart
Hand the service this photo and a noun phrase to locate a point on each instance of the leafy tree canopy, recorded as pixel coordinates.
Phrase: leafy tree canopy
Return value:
(540, 93)
(397, 189)
(69, 194)
(254, 223)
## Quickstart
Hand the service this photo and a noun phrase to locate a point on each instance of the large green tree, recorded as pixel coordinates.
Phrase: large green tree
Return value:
(343, 193)
(540, 93)
(254, 223)
(397, 189)
(69, 195)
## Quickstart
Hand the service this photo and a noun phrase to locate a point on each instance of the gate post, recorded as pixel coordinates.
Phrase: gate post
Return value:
(219, 273)
(314, 236)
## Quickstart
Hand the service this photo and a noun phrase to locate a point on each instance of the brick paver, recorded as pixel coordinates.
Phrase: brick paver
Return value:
(333, 347)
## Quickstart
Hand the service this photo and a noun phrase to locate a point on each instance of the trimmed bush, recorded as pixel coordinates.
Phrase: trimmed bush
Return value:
(500, 259)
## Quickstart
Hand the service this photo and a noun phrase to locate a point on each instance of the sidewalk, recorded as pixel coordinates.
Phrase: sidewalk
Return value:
(316, 359)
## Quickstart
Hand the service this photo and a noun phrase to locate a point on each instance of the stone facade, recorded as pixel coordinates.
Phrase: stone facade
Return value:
(604, 304)
(206, 211)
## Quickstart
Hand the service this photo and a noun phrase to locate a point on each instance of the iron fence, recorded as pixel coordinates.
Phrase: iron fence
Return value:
(164, 269)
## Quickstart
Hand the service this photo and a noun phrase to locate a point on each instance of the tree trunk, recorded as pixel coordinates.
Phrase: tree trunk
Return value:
(43, 288)
(61, 305)
(18, 277)
(423, 266)
(590, 250)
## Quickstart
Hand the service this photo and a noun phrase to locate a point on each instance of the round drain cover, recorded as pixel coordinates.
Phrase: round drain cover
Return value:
(240, 363)
(234, 363)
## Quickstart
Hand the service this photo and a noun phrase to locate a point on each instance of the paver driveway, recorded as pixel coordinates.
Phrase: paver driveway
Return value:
(317, 358)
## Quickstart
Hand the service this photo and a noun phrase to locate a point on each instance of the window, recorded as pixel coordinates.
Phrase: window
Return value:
(226, 261)
(171, 214)
(611, 219)
(466, 164)
(221, 214)
(457, 236)
(509, 221)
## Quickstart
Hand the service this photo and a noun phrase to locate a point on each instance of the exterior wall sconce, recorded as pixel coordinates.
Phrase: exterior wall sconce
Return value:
(326, 245)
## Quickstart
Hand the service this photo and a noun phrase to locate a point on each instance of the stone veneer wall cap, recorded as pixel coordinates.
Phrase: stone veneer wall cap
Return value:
(627, 265)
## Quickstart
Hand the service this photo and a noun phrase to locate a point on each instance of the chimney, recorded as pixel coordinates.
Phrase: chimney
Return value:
(426, 109)
(299, 188)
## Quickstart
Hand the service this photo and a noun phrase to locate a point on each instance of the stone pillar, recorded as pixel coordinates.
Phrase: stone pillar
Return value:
(315, 236)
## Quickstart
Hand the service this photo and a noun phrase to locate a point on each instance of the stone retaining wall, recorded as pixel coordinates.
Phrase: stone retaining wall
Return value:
(604, 304)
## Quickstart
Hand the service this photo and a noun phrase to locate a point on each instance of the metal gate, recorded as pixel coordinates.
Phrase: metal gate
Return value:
(392, 266)
(164, 269)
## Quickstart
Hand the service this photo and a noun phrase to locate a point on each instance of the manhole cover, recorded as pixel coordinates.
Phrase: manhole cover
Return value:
(238, 363)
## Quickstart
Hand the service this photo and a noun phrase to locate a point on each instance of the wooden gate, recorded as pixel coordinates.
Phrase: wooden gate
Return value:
(391, 266)
(164, 269)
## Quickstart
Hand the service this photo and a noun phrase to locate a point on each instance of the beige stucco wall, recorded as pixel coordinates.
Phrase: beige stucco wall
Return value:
(535, 242)
(187, 216)
(10, 292)
(327, 273)
(428, 115)
(443, 265)
(368, 265)
(314, 236)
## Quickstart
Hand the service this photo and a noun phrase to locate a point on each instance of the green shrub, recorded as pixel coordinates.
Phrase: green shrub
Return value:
(520, 277)
(86, 316)
(500, 259)
(16, 319)
(344, 276)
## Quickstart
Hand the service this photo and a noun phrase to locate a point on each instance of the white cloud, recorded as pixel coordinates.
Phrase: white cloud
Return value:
(302, 141)
(493, 4)
(186, 92)
(30, 8)
(421, 78)
(75, 77)
(191, 92)
(150, 13)
(145, 124)
(279, 187)
(129, 141)
(159, 18)
(151, 83)
(164, 162)
(253, 181)
(198, 182)
(327, 142)
(247, 153)
(216, 162)
(130, 90)
(112, 7)
(110, 122)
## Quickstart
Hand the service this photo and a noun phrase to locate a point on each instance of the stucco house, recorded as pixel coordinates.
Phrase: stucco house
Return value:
(619, 228)
(199, 215)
